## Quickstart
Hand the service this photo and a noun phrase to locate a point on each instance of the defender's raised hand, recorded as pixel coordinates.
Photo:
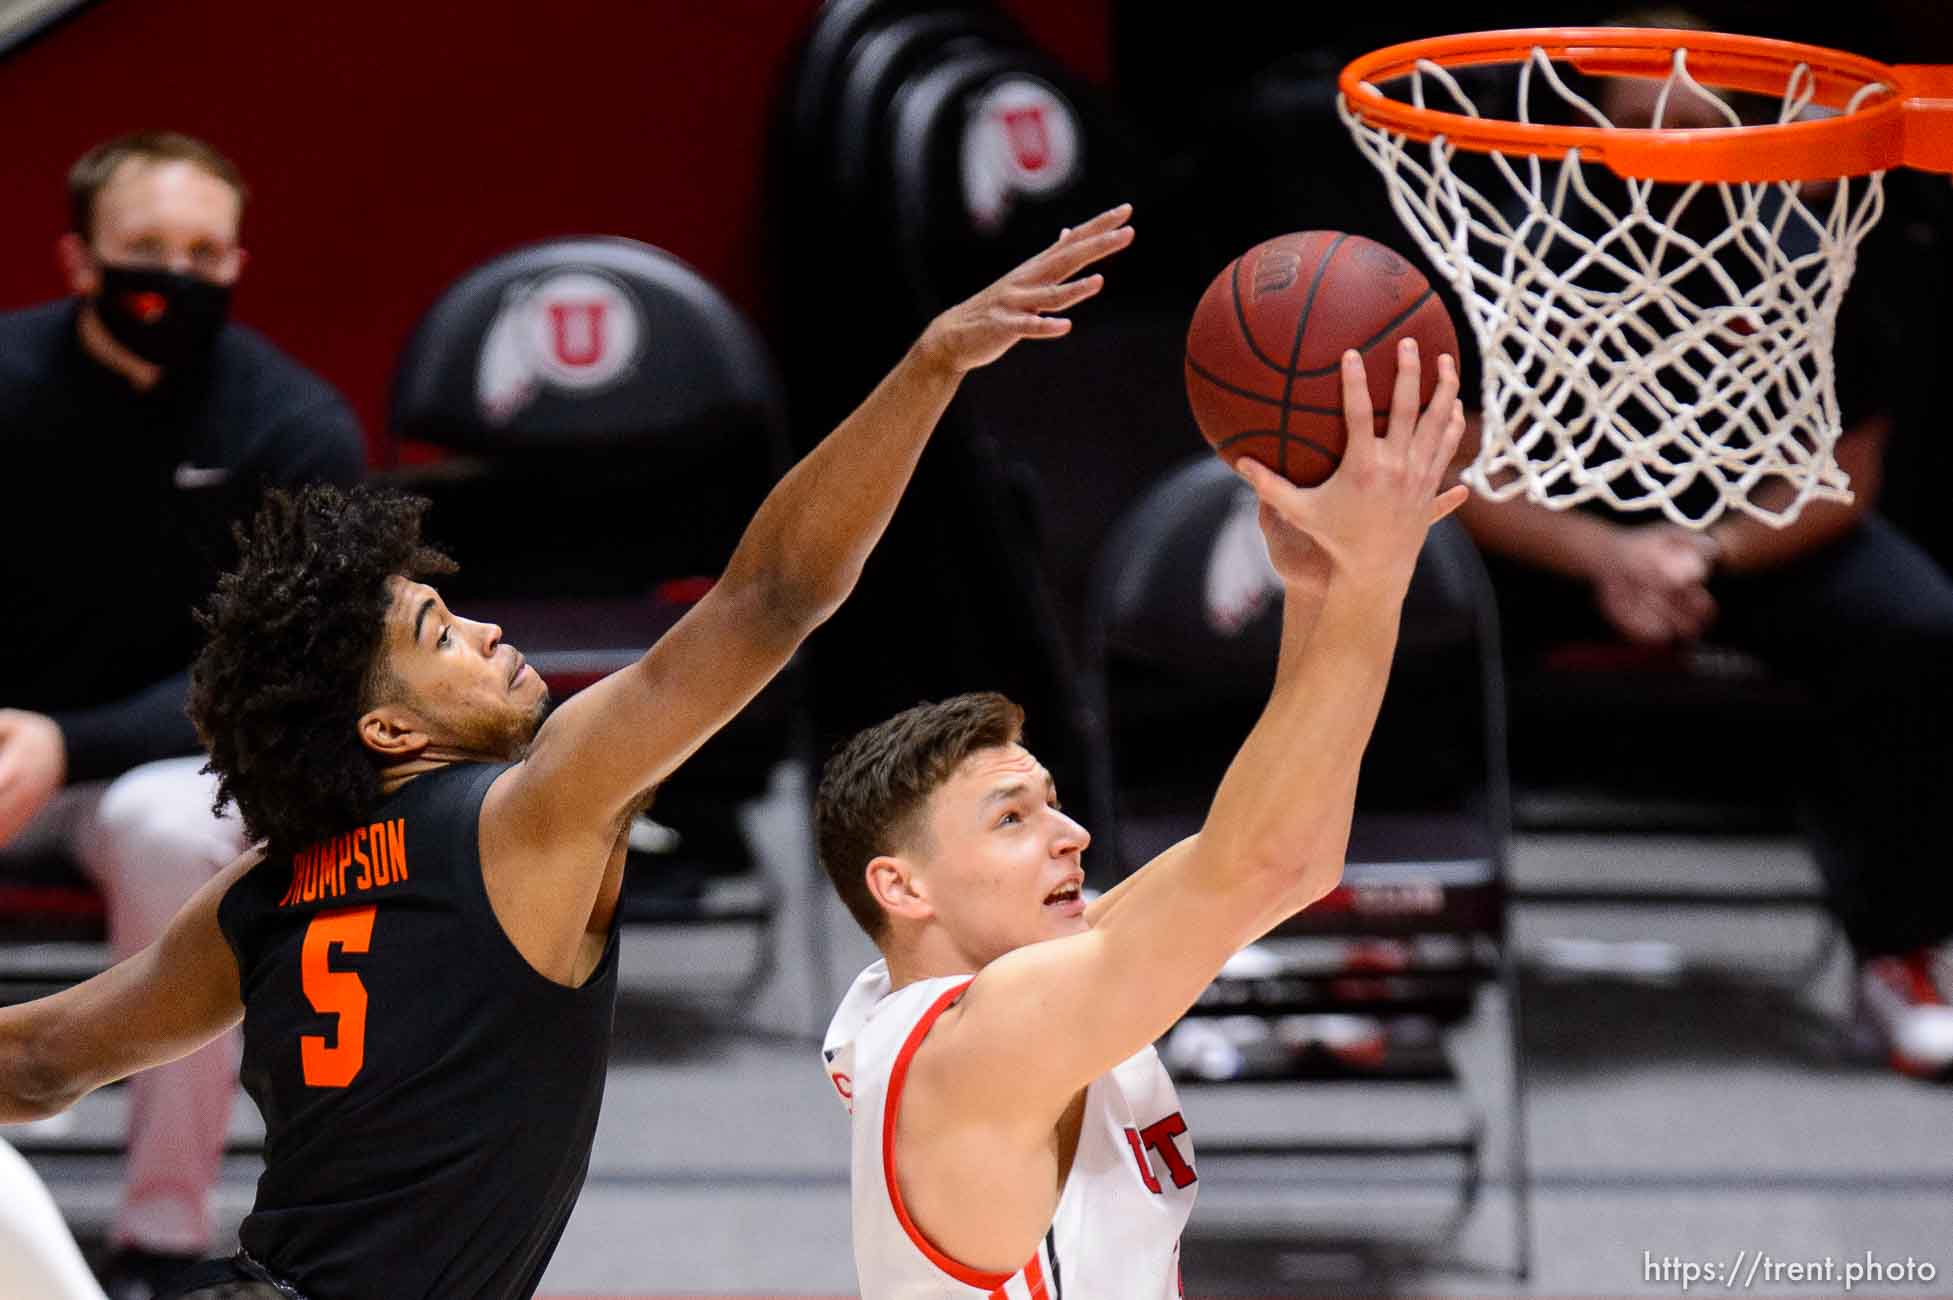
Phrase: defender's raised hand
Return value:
(1371, 515)
(977, 331)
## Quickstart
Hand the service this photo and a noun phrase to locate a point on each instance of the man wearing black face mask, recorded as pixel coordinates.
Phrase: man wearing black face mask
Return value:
(135, 422)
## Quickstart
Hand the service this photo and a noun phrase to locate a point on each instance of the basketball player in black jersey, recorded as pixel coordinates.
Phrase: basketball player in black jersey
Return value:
(422, 949)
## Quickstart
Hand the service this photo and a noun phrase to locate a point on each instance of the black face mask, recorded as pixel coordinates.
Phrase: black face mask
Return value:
(164, 317)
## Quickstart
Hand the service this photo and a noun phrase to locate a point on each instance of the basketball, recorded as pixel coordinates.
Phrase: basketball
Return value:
(1264, 349)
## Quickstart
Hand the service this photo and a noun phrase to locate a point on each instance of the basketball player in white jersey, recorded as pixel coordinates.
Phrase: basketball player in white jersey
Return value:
(37, 1256)
(1015, 1135)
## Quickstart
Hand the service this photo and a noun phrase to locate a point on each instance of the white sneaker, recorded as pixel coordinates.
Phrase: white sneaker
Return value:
(1908, 1000)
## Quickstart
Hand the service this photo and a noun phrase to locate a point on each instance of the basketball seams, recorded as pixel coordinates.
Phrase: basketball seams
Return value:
(1225, 360)
(1236, 389)
(1285, 436)
(1295, 348)
(1398, 321)
(1296, 408)
(1364, 347)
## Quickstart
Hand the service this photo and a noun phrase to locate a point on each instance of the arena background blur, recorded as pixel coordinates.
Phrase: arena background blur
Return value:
(1694, 1089)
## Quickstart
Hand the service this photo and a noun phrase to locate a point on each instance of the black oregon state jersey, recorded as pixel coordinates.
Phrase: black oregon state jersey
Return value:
(429, 1098)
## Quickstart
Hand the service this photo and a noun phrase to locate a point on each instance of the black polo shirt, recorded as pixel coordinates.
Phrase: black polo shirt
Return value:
(115, 511)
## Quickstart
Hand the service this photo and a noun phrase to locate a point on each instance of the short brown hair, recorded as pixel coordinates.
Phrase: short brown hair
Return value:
(92, 170)
(873, 786)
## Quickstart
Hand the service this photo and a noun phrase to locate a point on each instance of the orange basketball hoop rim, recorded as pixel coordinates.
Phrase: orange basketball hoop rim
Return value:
(1907, 121)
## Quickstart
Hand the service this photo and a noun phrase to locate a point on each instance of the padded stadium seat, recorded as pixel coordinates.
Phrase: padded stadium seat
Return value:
(600, 347)
(1182, 641)
(886, 152)
(838, 27)
(1181, 644)
(617, 422)
(612, 422)
(47, 897)
(989, 153)
(876, 69)
(52, 926)
(1593, 741)
(856, 54)
(952, 150)
(959, 570)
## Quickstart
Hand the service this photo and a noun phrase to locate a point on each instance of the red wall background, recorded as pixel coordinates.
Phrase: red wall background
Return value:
(392, 144)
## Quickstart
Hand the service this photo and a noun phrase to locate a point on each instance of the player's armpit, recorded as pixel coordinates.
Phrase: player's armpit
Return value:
(609, 743)
(160, 1004)
(549, 823)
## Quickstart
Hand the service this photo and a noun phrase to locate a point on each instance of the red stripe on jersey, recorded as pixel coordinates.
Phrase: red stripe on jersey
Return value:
(1033, 1274)
(992, 1282)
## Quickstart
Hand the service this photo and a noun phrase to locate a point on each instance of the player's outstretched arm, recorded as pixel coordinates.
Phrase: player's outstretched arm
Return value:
(1304, 571)
(1053, 1016)
(798, 559)
(164, 1002)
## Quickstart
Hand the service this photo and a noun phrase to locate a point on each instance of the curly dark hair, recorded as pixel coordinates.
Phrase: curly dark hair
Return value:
(876, 784)
(293, 657)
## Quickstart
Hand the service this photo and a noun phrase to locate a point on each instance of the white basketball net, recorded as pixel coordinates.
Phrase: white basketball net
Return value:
(1668, 350)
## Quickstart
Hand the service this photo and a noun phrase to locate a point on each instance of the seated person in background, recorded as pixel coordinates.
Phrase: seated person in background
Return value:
(1839, 600)
(1013, 1131)
(135, 423)
(423, 944)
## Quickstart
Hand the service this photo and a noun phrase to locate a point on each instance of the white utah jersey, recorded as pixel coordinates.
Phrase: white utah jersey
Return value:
(1116, 1232)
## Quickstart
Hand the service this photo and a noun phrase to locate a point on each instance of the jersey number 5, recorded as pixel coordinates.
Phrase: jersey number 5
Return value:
(335, 992)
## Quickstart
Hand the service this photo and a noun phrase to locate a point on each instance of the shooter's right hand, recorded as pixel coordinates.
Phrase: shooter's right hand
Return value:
(1371, 515)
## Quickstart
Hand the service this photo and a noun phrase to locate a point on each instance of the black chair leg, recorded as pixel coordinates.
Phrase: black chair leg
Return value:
(1518, 1163)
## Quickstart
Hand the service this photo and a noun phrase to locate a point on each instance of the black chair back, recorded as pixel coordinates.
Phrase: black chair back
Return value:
(989, 154)
(615, 419)
(1182, 636)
